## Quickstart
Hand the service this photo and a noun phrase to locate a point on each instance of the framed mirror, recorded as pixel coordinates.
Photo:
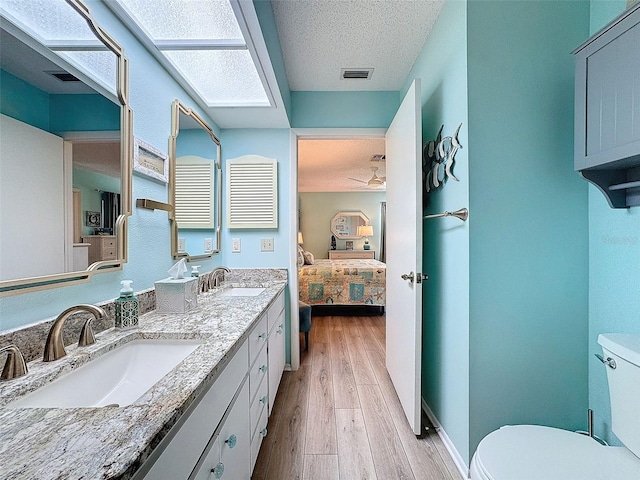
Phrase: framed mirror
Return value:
(195, 185)
(344, 225)
(66, 147)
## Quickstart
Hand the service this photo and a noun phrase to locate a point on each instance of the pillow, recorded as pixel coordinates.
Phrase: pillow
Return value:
(308, 258)
(300, 256)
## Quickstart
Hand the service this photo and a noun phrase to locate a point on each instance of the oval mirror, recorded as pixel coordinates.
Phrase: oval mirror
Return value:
(195, 179)
(65, 147)
(344, 225)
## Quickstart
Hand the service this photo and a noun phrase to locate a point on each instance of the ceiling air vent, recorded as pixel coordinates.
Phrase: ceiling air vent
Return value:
(64, 76)
(356, 73)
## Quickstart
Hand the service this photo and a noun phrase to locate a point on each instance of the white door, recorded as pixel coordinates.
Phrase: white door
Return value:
(404, 254)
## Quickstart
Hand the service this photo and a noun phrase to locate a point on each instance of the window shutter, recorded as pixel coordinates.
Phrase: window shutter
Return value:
(252, 192)
(194, 192)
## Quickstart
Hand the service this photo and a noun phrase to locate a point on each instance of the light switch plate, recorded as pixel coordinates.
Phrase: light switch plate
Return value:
(235, 245)
(181, 244)
(266, 244)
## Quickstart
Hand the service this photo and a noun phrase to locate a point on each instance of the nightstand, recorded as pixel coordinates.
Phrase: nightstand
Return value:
(351, 254)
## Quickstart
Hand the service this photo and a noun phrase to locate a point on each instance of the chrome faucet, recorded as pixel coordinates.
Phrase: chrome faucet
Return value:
(15, 365)
(54, 348)
(217, 276)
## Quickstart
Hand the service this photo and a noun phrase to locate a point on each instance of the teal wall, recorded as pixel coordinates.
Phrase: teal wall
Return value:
(88, 112)
(23, 101)
(343, 109)
(614, 268)
(442, 67)
(506, 300)
(56, 113)
(528, 254)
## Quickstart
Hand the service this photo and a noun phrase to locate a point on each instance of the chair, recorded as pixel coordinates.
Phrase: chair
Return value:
(305, 322)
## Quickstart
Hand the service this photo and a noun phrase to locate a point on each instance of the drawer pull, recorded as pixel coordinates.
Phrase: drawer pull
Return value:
(263, 368)
(218, 470)
(231, 441)
(264, 399)
(262, 335)
(263, 432)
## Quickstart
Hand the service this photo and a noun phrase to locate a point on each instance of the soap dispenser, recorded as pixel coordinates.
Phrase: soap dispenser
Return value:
(126, 307)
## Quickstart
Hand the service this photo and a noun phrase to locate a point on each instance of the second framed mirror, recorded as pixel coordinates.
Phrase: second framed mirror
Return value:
(195, 185)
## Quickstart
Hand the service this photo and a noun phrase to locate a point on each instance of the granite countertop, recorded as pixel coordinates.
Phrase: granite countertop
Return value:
(112, 442)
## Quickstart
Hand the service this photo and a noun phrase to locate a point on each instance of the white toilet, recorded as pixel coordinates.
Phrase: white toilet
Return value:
(530, 452)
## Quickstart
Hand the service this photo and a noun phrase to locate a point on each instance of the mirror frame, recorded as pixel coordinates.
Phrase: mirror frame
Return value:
(178, 108)
(32, 284)
(356, 213)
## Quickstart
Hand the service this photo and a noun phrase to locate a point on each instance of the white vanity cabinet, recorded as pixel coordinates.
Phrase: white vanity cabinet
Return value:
(276, 346)
(179, 454)
(220, 436)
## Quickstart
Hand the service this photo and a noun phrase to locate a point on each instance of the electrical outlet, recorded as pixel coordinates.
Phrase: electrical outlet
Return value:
(235, 245)
(208, 245)
(181, 245)
(266, 244)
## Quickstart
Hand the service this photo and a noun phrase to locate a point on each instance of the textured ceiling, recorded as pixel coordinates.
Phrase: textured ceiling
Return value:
(332, 165)
(320, 37)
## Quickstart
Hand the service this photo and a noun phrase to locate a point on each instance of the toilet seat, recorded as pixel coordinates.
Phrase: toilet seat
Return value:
(531, 452)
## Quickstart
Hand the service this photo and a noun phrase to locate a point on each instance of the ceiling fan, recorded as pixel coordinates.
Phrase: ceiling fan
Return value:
(374, 181)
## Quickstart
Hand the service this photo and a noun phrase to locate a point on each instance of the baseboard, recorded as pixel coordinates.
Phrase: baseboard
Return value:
(451, 448)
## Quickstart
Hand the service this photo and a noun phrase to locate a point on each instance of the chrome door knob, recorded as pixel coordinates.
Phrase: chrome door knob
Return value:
(409, 277)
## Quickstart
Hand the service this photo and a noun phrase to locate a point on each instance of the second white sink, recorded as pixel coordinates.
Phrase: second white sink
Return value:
(242, 292)
(117, 378)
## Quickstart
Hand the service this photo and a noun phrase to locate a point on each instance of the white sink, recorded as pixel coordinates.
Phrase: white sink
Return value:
(242, 292)
(117, 378)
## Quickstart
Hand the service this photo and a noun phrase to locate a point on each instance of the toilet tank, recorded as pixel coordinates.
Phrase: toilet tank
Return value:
(624, 386)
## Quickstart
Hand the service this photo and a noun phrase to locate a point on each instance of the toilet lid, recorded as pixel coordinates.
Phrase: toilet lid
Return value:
(531, 452)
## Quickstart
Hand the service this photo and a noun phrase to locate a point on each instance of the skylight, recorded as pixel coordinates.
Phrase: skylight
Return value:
(56, 24)
(204, 43)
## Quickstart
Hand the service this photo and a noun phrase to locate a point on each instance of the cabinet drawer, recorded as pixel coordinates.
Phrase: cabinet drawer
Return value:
(258, 404)
(256, 441)
(109, 253)
(275, 311)
(257, 338)
(109, 242)
(258, 372)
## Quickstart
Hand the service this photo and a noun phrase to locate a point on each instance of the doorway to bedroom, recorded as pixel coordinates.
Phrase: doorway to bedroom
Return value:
(341, 206)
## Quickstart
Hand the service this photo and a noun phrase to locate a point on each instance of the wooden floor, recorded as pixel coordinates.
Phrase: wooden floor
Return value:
(338, 416)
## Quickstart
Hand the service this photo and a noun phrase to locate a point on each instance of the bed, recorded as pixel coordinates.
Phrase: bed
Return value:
(352, 282)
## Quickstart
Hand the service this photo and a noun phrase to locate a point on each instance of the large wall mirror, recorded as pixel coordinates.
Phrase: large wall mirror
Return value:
(65, 147)
(195, 185)
(344, 225)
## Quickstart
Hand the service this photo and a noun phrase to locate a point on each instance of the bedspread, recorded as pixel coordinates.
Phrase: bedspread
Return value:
(343, 282)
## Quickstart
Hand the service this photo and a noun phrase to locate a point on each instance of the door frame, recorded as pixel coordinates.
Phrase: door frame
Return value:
(309, 133)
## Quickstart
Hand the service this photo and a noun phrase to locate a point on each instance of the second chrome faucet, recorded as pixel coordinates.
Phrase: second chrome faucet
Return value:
(54, 347)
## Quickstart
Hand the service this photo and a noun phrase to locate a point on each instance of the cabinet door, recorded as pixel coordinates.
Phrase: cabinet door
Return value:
(608, 95)
(229, 456)
(276, 351)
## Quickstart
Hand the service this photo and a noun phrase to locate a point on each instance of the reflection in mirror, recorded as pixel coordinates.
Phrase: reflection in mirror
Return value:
(344, 225)
(65, 147)
(195, 177)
